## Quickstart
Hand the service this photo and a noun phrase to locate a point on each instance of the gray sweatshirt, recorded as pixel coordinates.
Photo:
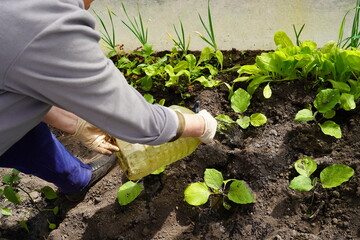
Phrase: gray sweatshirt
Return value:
(50, 56)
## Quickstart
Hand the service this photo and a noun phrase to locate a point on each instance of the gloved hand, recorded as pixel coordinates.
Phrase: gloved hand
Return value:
(210, 127)
(93, 137)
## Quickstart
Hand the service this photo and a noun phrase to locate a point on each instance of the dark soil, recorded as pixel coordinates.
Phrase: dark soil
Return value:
(263, 157)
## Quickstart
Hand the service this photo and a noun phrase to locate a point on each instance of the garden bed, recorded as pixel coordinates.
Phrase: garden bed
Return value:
(263, 157)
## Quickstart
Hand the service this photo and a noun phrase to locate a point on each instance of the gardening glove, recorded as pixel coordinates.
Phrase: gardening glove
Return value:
(210, 127)
(94, 138)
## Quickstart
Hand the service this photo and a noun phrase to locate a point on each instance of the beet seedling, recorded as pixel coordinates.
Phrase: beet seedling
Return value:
(331, 176)
(198, 193)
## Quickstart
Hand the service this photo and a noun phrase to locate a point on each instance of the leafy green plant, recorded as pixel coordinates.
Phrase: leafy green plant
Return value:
(11, 193)
(214, 184)
(331, 176)
(353, 41)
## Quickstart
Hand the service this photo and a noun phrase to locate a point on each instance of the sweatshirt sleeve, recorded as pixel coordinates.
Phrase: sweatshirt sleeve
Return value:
(65, 67)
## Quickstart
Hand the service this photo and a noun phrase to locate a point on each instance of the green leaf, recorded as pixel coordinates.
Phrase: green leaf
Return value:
(305, 166)
(206, 55)
(6, 178)
(160, 170)
(149, 98)
(191, 59)
(197, 194)
(304, 115)
(5, 211)
(267, 91)
(343, 87)
(162, 102)
(301, 183)
(335, 175)
(226, 205)
(326, 99)
(241, 193)
(243, 122)
(128, 192)
(347, 101)
(329, 114)
(331, 128)
(220, 57)
(240, 100)
(310, 44)
(224, 118)
(55, 210)
(11, 195)
(206, 82)
(48, 192)
(213, 178)
(52, 226)
(258, 119)
(182, 65)
(282, 40)
(24, 225)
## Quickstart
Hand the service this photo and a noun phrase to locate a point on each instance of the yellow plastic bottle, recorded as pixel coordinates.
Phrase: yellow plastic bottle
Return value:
(139, 160)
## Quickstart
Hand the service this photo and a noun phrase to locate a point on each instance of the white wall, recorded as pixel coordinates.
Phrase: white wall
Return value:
(239, 24)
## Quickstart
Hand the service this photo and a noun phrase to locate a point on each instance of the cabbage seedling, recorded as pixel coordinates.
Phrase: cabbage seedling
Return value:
(214, 184)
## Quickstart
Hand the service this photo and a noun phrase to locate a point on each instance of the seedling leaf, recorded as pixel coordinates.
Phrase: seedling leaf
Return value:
(240, 100)
(258, 119)
(243, 122)
(347, 101)
(197, 194)
(48, 192)
(128, 192)
(301, 183)
(331, 128)
(240, 193)
(52, 226)
(304, 115)
(213, 178)
(5, 211)
(282, 40)
(305, 166)
(24, 225)
(335, 175)
(329, 114)
(11, 195)
(267, 91)
(158, 171)
(326, 99)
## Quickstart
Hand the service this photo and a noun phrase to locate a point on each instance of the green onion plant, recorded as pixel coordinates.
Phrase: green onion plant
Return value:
(209, 30)
(353, 40)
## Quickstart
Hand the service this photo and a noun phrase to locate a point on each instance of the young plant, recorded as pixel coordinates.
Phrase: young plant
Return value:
(11, 193)
(181, 42)
(331, 176)
(211, 36)
(297, 34)
(136, 26)
(214, 184)
(240, 101)
(109, 38)
(353, 41)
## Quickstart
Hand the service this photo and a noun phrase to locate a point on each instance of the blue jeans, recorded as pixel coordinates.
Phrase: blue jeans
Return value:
(39, 153)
